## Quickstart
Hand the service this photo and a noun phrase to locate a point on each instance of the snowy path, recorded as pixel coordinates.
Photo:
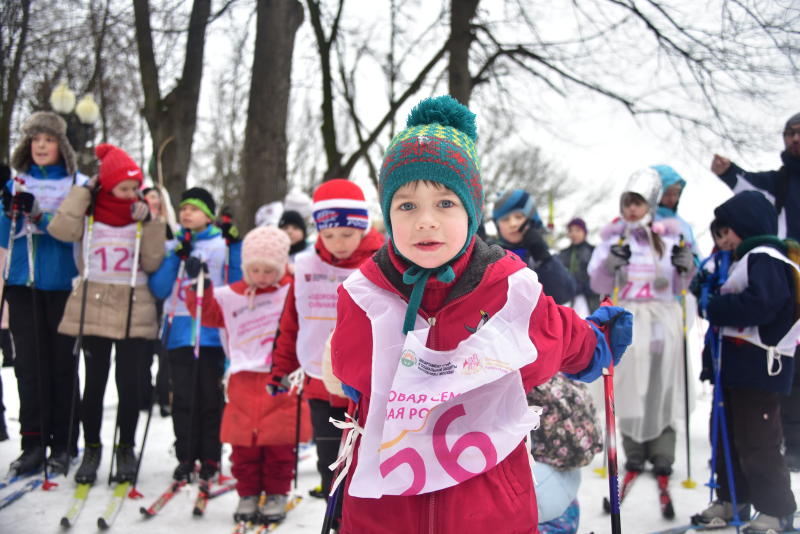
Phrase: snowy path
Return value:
(40, 511)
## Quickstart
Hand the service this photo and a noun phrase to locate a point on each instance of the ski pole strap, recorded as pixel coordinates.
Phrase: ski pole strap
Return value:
(346, 456)
(297, 379)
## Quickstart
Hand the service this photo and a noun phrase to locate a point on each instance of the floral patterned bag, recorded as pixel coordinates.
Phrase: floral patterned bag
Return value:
(569, 435)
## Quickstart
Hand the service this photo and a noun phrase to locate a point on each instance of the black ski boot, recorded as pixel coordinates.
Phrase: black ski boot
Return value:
(208, 469)
(126, 463)
(87, 472)
(58, 463)
(184, 471)
(3, 430)
(30, 461)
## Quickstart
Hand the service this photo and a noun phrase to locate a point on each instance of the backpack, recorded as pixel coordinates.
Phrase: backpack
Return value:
(569, 435)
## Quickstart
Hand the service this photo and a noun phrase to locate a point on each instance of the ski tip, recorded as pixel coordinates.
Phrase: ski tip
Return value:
(197, 512)
(606, 505)
(145, 512)
(65, 524)
(668, 512)
(102, 524)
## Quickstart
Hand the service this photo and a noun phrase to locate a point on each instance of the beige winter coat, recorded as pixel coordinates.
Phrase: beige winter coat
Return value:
(107, 304)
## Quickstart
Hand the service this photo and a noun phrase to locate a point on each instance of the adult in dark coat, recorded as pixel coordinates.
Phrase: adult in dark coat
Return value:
(576, 259)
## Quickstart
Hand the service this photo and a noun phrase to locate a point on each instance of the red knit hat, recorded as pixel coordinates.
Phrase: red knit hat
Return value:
(116, 166)
(339, 203)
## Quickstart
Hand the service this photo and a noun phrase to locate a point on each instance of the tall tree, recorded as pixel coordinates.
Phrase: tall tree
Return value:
(14, 25)
(265, 145)
(172, 118)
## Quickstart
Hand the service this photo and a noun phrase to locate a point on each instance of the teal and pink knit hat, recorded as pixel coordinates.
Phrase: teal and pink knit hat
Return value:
(438, 145)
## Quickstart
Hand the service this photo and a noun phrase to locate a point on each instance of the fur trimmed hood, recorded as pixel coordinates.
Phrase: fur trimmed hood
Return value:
(46, 122)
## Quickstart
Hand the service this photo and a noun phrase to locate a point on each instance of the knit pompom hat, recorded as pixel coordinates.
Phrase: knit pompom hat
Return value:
(338, 203)
(200, 198)
(49, 123)
(116, 166)
(437, 145)
(268, 245)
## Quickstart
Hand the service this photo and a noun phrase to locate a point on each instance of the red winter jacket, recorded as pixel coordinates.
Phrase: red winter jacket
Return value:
(284, 355)
(502, 499)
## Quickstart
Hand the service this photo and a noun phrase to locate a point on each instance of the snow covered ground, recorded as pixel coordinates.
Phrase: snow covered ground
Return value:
(41, 511)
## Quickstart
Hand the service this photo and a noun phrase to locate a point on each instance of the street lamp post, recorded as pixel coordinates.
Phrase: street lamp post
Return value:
(80, 119)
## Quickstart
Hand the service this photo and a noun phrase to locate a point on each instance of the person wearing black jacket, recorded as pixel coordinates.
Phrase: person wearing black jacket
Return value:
(782, 188)
(755, 310)
(520, 230)
(576, 259)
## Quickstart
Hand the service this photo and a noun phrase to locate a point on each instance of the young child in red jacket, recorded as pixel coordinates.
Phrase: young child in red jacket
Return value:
(437, 340)
(345, 241)
(260, 427)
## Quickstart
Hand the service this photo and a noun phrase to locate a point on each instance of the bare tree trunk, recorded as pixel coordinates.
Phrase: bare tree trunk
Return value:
(461, 37)
(11, 79)
(175, 115)
(265, 144)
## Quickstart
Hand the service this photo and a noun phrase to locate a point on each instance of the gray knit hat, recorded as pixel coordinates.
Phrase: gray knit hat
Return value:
(43, 122)
(794, 120)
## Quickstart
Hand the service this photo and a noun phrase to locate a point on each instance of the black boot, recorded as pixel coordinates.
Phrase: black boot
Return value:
(184, 471)
(58, 463)
(208, 469)
(3, 430)
(126, 463)
(30, 461)
(87, 472)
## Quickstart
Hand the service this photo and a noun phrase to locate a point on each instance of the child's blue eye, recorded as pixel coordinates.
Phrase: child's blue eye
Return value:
(406, 206)
(447, 203)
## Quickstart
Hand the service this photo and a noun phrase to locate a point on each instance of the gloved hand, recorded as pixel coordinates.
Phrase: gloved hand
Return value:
(534, 243)
(618, 256)
(613, 327)
(193, 266)
(26, 203)
(8, 201)
(278, 385)
(229, 230)
(140, 211)
(682, 258)
(184, 248)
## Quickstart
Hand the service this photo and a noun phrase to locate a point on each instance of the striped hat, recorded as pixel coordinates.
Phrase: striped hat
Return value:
(438, 145)
(338, 203)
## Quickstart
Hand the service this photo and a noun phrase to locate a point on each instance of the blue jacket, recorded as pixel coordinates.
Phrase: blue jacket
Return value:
(768, 183)
(53, 260)
(163, 280)
(766, 302)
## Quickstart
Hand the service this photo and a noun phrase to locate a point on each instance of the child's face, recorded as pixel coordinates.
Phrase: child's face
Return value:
(429, 223)
(671, 196)
(510, 227)
(44, 149)
(727, 239)
(634, 208)
(192, 218)
(295, 234)
(576, 234)
(341, 241)
(262, 275)
(128, 189)
(153, 199)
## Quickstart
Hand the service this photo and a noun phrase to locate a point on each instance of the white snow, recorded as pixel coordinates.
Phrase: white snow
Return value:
(41, 511)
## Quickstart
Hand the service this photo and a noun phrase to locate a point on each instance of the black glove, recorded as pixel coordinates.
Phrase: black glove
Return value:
(682, 258)
(619, 256)
(229, 230)
(8, 201)
(277, 385)
(26, 203)
(184, 248)
(193, 266)
(140, 211)
(534, 243)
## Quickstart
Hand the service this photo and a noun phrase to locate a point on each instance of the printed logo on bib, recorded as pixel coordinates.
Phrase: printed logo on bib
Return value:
(408, 358)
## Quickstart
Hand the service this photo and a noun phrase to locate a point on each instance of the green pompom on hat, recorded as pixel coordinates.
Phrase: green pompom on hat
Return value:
(437, 145)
